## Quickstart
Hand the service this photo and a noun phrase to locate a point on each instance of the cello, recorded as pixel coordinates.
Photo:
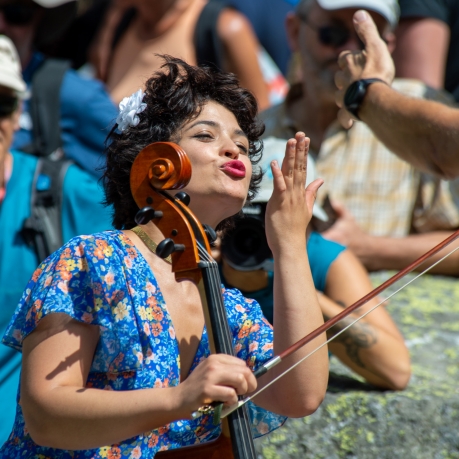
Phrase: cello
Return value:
(160, 167)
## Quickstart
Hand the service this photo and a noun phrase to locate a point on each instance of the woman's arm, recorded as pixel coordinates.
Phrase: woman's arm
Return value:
(61, 412)
(241, 53)
(101, 48)
(373, 347)
(296, 308)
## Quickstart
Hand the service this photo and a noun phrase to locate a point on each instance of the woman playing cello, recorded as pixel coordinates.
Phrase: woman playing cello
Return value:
(115, 350)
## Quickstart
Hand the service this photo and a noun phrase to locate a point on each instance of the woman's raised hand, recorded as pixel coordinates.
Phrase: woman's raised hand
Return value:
(289, 209)
(219, 378)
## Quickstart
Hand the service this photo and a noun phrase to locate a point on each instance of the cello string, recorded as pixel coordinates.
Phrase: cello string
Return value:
(204, 253)
(242, 402)
(240, 422)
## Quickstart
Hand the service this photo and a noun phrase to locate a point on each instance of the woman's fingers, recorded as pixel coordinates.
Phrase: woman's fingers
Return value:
(302, 147)
(220, 378)
(229, 383)
(293, 172)
(278, 177)
(294, 164)
(289, 209)
(239, 377)
(311, 192)
(288, 164)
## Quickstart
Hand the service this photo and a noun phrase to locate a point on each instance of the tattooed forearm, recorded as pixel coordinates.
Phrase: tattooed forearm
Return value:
(360, 336)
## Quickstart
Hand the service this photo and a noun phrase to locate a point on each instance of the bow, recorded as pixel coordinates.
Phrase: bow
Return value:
(331, 322)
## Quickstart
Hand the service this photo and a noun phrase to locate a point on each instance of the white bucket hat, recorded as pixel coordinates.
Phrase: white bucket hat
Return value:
(10, 67)
(388, 9)
(274, 149)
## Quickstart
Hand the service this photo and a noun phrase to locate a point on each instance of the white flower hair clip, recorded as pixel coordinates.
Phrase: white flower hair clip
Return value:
(129, 108)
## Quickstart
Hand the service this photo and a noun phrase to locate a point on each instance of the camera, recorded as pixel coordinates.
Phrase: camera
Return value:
(245, 246)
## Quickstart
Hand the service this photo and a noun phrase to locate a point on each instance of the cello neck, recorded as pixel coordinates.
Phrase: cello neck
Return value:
(235, 441)
(221, 341)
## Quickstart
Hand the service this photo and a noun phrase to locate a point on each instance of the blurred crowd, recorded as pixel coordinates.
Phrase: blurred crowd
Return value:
(66, 66)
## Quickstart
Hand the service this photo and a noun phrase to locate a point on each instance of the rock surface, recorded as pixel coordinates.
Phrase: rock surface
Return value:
(355, 421)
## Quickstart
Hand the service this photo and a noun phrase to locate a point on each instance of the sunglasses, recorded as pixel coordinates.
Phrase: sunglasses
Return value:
(8, 104)
(333, 35)
(18, 14)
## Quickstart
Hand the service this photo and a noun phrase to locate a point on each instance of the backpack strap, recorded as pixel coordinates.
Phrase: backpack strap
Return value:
(43, 229)
(209, 47)
(45, 107)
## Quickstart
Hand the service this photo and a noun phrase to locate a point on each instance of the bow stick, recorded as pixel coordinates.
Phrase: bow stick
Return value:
(331, 322)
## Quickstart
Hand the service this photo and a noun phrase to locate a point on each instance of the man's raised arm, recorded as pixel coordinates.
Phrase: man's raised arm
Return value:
(424, 133)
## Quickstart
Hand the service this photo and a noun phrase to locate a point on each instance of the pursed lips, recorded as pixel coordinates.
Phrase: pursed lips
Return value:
(234, 168)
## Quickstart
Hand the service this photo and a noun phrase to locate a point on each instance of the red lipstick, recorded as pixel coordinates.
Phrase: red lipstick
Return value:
(234, 168)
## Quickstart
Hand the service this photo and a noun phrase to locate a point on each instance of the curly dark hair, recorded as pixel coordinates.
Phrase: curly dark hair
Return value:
(174, 96)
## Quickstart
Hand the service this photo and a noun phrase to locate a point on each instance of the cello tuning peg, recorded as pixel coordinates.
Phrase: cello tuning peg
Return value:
(183, 197)
(167, 247)
(211, 234)
(143, 216)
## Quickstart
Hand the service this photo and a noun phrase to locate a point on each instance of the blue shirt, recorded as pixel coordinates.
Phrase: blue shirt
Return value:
(105, 281)
(87, 115)
(82, 213)
(321, 253)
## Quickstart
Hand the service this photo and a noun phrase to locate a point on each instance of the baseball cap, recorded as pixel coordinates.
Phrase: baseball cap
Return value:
(388, 9)
(10, 67)
(274, 149)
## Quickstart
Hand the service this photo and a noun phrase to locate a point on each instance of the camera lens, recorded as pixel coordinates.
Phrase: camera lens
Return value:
(245, 246)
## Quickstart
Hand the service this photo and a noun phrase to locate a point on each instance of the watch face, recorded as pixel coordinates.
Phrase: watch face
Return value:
(354, 94)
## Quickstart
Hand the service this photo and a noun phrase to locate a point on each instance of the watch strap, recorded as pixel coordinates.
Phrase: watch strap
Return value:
(355, 94)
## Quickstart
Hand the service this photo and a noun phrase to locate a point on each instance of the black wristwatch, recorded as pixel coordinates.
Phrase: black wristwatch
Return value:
(356, 93)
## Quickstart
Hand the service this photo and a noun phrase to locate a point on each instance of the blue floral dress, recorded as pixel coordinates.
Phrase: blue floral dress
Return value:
(104, 280)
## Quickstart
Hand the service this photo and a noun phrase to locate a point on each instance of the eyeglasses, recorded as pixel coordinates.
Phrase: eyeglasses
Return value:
(18, 14)
(8, 104)
(333, 35)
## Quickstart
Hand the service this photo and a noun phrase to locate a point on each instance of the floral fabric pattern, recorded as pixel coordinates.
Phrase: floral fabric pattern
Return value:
(103, 280)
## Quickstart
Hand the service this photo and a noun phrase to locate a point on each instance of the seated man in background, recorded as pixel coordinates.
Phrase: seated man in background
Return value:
(373, 347)
(81, 212)
(388, 213)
